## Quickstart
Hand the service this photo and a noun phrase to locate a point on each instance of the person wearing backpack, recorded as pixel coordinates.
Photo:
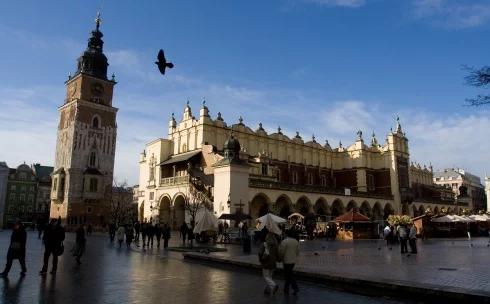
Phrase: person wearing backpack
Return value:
(17, 249)
(53, 238)
(268, 254)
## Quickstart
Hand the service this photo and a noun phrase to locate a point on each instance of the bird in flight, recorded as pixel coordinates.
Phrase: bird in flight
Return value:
(162, 62)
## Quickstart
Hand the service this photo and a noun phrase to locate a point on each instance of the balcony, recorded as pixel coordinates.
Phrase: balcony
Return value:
(174, 181)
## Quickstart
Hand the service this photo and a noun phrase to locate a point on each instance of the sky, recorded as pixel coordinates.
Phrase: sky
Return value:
(322, 67)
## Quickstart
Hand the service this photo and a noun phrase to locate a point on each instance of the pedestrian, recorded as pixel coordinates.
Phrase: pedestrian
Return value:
(403, 235)
(158, 234)
(268, 255)
(143, 233)
(120, 235)
(183, 231)
(129, 235)
(40, 228)
(244, 230)
(166, 235)
(80, 242)
(112, 231)
(412, 239)
(191, 236)
(150, 234)
(89, 229)
(137, 227)
(288, 253)
(53, 238)
(17, 249)
(386, 235)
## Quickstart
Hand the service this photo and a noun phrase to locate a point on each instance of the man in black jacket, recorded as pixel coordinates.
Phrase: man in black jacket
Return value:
(17, 249)
(53, 238)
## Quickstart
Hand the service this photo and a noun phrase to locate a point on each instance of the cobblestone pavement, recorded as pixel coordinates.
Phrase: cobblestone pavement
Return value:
(451, 264)
(112, 275)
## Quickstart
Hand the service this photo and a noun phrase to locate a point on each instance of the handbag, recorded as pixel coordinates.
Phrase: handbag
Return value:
(61, 249)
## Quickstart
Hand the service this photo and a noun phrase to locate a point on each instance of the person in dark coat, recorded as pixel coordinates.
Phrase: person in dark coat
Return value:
(137, 227)
(80, 242)
(144, 231)
(150, 232)
(129, 235)
(53, 238)
(112, 231)
(17, 249)
(183, 231)
(165, 235)
(158, 234)
(268, 256)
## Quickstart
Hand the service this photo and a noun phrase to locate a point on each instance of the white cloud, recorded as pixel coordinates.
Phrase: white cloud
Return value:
(344, 3)
(452, 13)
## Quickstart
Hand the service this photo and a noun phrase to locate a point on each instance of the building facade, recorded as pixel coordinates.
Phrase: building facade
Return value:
(21, 195)
(467, 188)
(487, 191)
(86, 141)
(43, 195)
(274, 172)
(4, 175)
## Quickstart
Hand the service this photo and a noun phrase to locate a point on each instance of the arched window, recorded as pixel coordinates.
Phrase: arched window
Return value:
(91, 161)
(95, 122)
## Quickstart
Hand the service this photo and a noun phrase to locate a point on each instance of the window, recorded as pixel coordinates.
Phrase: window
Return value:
(12, 188)
(95, 122)
(62, 185)
(23, 188)
(370, 182)
(12, 197)
(89, 209)
(152, 195)
(30, 198)
(295, 177)
(32, 189)
(324, 180)
(278, 174)
(21, 209)
(264, 169)
(91, 161)
(55, 182)
(22, 176)
(93, 185)
(22, 198)
(310, 178)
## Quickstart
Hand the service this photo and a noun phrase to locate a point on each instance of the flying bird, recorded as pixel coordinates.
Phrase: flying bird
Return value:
(162, 62)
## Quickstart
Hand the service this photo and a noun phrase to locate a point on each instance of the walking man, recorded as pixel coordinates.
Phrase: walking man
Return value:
(412, 236)
(183, 231)
(289, 252)
(403, 235)
(80, 242)
(120, 235)
(150, 232)
(53, 238)
(137, 227)
(158, 234)
(165, 235)
(17, 249)
(268, 255)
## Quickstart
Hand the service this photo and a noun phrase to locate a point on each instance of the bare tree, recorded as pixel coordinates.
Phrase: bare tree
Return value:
(479, 78)
(195, 200)
(121, 204)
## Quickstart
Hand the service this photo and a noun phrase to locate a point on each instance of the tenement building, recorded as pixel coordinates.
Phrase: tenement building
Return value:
(235, 168)
(467, 188)
(86, 141)
(4, 175)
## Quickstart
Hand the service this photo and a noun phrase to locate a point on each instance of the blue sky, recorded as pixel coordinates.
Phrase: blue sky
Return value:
(323, 67)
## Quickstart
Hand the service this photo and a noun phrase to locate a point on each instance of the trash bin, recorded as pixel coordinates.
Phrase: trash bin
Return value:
(247, 244)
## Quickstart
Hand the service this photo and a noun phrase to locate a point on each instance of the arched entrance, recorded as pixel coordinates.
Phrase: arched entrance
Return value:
(351, 205)
(303, 205)
(164, 210)
(283, 206)
(405, 209)
(421, 210)
(321, 207)
(179, 212)
(259, 206)
(377, 212)
(449, 210)
(436, 210)
(365, 209)
(388, 210)
(415, 211)
(337, 208)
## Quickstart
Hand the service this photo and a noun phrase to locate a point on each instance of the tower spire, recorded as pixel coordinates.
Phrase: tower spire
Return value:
(98, 21)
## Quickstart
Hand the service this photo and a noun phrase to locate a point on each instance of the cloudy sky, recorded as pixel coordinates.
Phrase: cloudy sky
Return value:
(322, 67)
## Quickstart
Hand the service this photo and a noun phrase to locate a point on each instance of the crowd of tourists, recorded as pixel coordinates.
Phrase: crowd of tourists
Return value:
(402, 235)
(149, 234)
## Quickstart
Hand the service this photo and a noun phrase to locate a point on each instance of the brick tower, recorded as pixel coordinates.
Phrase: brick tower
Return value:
(86, 141)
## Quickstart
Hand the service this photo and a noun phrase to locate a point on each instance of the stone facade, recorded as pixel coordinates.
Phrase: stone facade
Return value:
(86, 142)
(276, 172)
(43, 195)
(21, 195)
(467, 188)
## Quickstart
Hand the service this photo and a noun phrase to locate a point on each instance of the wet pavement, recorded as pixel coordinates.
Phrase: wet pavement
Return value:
(445, 264)
(112, 275)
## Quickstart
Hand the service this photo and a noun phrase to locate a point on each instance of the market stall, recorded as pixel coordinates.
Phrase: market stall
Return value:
(354, 225)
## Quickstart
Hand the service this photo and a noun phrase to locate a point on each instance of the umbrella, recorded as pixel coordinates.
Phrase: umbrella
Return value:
(206, 221)
(270, 222)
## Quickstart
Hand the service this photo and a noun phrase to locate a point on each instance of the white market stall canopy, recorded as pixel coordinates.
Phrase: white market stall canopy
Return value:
(205, 221)
(271, 221)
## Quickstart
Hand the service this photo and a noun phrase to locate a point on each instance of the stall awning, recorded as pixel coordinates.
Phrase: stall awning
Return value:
(180, 158)
(352, 216)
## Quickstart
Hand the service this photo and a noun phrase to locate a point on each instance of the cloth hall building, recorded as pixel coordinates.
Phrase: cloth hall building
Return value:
(236, 168)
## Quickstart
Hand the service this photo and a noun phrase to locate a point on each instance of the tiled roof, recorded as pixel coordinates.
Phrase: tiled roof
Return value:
(352, 216)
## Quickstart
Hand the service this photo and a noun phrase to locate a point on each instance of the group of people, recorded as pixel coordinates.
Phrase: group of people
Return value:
(273, 250)
(53, 236)
(148, 232)
(403, 234)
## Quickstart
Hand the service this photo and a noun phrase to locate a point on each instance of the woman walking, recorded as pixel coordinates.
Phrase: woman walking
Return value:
(17, 249)
(268, 253)
(129, 235)
(120, 235)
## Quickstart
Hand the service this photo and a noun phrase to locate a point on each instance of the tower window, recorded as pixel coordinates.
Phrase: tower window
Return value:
(95, 122)
(93, 185)
(91, 162)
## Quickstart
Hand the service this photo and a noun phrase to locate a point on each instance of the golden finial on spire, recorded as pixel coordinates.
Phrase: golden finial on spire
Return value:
(98, 21)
